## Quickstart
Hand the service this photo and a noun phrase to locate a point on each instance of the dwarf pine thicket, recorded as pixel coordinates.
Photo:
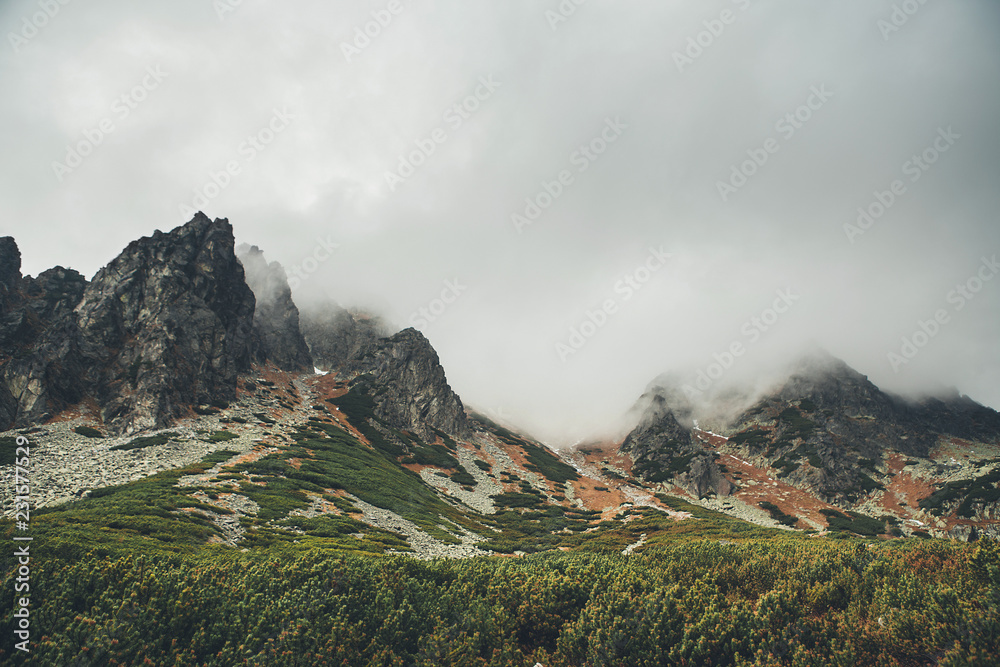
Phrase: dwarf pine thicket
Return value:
(697, 602)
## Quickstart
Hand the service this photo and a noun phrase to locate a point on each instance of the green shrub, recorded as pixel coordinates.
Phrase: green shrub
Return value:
(8, 449)
(778, 515)
(463, 478)
(854, 522)
(146, 441)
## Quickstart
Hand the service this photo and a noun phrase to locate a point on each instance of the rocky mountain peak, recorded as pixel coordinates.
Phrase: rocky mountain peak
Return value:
(338, 337)
(410, 388)
(171, 320)
(401, 372)
(664, 396)
(166, 324)
(10, 265)
(276, 318)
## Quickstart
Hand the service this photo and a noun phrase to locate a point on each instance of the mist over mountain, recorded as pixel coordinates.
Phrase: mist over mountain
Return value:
(660, 333)
(276, 317)
(329, 128)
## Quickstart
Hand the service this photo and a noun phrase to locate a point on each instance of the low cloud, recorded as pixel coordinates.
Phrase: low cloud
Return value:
(763, 147)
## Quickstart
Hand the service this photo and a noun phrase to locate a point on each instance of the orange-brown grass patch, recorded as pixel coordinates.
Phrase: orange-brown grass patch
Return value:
(586, 489)
(786, 497)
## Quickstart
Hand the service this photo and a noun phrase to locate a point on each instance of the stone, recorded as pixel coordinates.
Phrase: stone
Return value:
(166, 325)
(276, 318)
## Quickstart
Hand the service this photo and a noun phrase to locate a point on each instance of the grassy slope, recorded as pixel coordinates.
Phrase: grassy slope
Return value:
(119, 576)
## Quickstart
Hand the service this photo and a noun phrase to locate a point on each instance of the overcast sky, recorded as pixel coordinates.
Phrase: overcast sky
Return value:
(737, 137)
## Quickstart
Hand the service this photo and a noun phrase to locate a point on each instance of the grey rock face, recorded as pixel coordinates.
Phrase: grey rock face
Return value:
(276, 318)
(170, 322)
(338, 338)
(39, 367)
(10, 270)
(167, 324)
(402, 373)
(825, 429)
(8, 407)
(411, 390)
(664, 450)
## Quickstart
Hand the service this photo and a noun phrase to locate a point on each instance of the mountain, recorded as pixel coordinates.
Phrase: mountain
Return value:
(409, 387)
(663, 449)
(276, 317)
(337, 337)
(376, 451)
(167, 324)
(172, 323)
(400, 373)
(331, 473)
(827, 435)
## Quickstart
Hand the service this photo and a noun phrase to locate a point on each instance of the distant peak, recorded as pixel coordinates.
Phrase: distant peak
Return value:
(409, 333)
(817, 362)
(247, 249)
(10, 261)
(201, 224)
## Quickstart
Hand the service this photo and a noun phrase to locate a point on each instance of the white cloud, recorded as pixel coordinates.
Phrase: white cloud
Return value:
(324, 175)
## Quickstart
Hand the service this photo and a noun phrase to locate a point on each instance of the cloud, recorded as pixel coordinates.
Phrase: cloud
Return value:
(750, 86)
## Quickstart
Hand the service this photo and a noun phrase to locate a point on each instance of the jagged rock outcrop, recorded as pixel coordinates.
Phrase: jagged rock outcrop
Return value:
(402, 373)
(409, 387)
(276, 318)
(171, 322)
(167, 324)
(339, 338)
(10, 271)
(824, 428)
(664, 450)
(30, 305)
(40, 368)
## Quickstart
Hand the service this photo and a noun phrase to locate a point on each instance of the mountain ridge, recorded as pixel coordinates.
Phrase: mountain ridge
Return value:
(185, 326)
